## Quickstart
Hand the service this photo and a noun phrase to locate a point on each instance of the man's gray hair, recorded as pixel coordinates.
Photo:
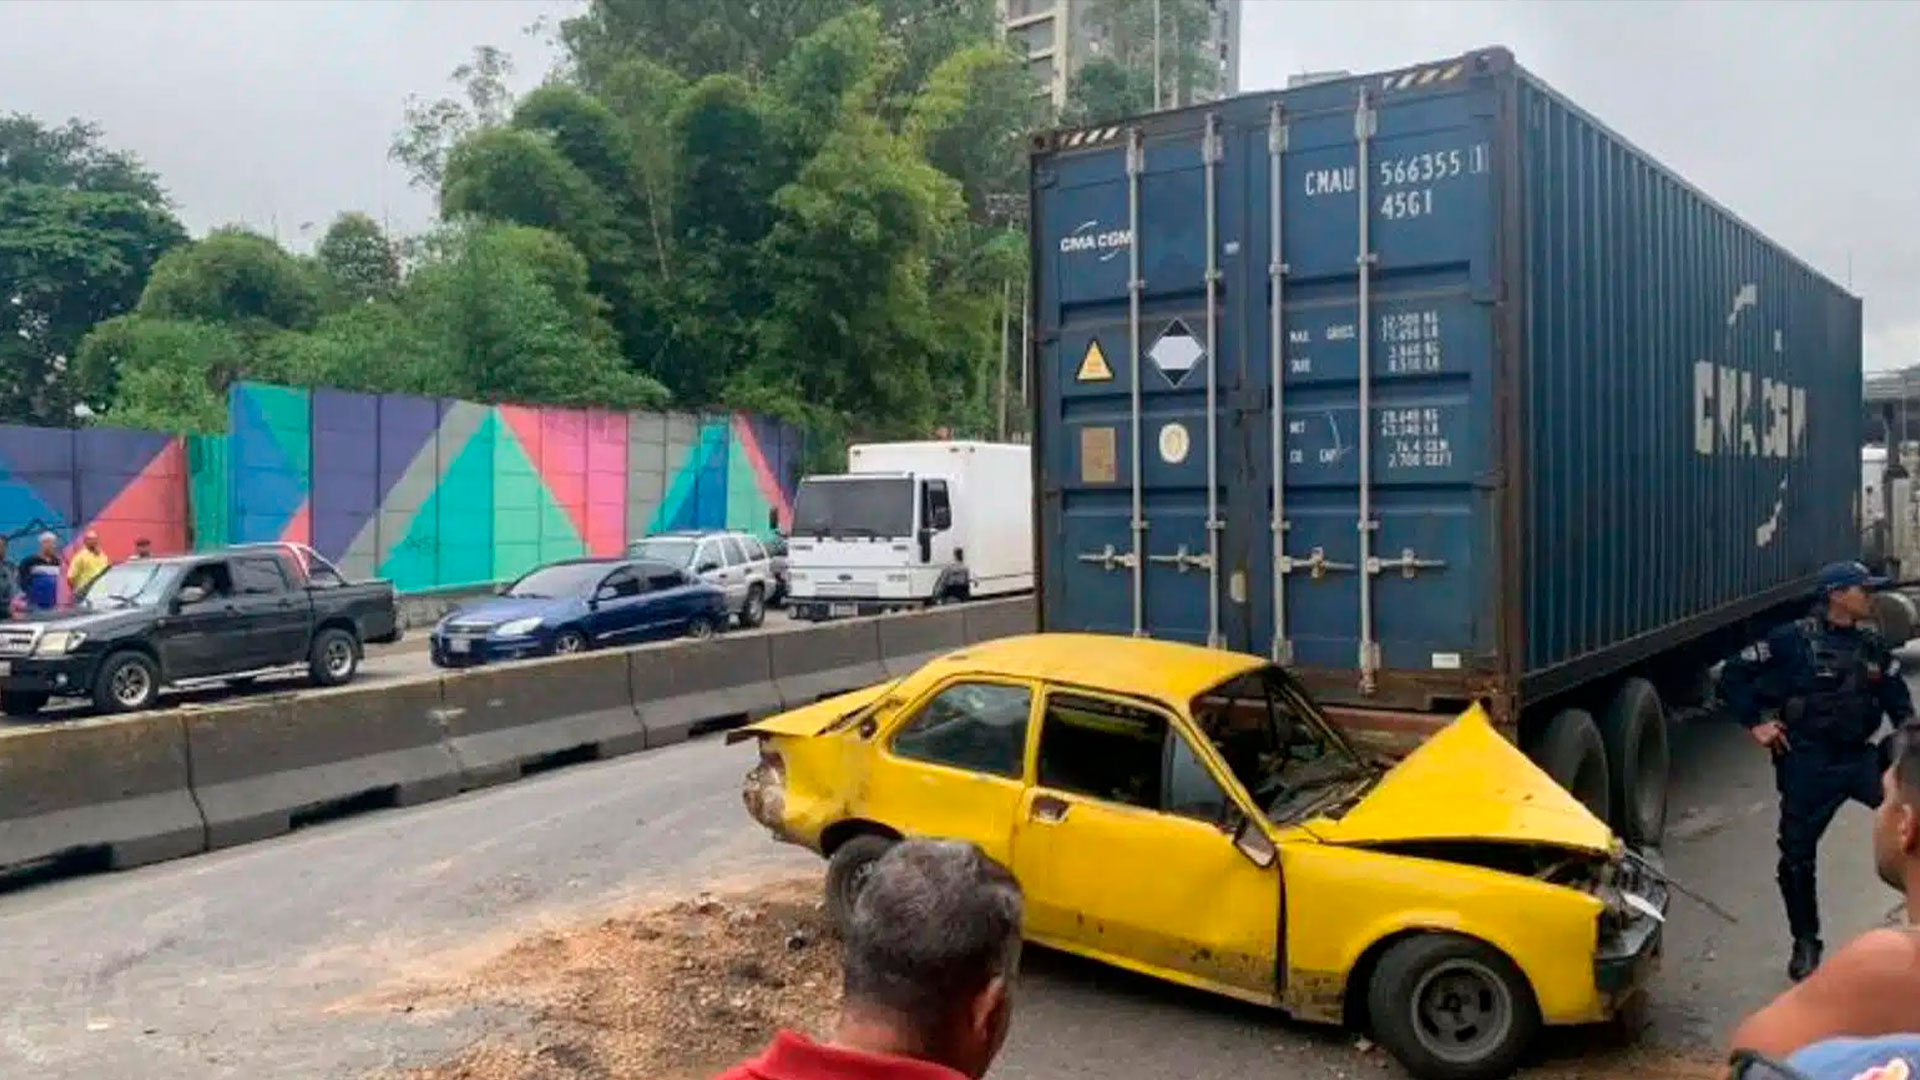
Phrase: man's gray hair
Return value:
(934, 923)
(47, 536)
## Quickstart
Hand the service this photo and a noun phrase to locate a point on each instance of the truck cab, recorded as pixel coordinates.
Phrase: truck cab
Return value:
(911, 525)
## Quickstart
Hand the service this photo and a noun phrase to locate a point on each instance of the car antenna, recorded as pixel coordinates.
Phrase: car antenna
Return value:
(1657, 872)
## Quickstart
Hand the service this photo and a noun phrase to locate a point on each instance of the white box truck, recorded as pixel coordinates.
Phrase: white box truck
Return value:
(910, 525)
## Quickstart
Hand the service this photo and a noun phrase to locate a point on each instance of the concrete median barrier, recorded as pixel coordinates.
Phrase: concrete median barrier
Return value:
(908, 641)
(503, 722)
(263, 766)
(825, 659)
(113, 788)
(679, 688)
(990, 619)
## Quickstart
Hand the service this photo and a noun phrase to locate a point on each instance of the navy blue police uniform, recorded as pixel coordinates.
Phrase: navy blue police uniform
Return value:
(1829, 686)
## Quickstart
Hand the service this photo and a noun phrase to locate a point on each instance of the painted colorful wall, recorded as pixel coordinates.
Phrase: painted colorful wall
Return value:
(428, 492)
(436, 493)
(123, 484)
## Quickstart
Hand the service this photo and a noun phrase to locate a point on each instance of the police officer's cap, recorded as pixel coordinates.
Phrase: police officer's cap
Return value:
(1845, 575)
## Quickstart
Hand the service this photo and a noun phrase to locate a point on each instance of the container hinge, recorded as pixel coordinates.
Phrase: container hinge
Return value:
(1182, 561)
(1108, 559)
(1136, 154)
(1365, 121)
(1211, 144)
(1276, 135)
(1369, 666)
(1283, 652)
(1408, 564)
(1315, 564)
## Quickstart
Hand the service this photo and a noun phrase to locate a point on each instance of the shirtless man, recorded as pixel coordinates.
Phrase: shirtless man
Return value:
(1872, 986)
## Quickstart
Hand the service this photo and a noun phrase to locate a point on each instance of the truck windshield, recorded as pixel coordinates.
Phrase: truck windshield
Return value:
(854, 506)
(130, 584)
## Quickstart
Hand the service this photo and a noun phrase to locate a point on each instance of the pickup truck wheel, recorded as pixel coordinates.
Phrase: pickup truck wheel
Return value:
(1451, 1008)
(23, 702)
(755, 612)
(127, 682)
(1571, 751)
(847, 874)
(334, 659)
(1634, 730)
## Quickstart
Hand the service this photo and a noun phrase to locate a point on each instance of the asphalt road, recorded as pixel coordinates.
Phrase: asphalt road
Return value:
(257, 961)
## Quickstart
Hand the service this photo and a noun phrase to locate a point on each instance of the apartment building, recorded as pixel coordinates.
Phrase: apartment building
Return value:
(1058, 36)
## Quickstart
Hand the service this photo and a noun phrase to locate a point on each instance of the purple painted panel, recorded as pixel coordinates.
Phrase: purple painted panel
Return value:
(107, 460)
(346, 470)
(407, 425)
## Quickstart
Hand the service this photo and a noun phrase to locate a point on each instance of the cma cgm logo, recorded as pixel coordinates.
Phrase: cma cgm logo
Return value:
(1088, 237)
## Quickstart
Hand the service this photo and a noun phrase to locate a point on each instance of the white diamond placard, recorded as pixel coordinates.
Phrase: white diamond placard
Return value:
(1176, 352)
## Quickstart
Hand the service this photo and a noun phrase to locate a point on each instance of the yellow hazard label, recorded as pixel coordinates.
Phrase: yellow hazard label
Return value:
(1093, 366)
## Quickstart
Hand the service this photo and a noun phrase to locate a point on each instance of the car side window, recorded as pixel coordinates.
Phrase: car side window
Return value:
(663, 580)
(755, 553)
(980, 727)
(258, 577)
(1104, 749)
(1192, 791)
(211, 579)
(620, 585)
(707, 557)
(736, 555)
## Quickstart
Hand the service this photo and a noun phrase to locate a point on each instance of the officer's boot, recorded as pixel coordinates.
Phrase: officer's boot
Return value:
(1806, 957)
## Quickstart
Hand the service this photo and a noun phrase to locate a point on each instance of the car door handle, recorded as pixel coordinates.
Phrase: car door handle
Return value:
(1048, 810)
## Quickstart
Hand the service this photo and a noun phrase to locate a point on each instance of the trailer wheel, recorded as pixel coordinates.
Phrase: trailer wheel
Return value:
(1634, 731)
(1569, 748)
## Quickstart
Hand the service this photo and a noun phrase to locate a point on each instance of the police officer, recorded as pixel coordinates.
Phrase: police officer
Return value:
(1813, 692)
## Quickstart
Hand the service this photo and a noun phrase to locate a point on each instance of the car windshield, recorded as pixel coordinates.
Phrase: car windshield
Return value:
(562, 580)
(1289, 759)
(130, 584)
(676, 551)
(842, 506)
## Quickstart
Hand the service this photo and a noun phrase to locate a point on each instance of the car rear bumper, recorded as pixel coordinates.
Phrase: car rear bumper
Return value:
(55, 675)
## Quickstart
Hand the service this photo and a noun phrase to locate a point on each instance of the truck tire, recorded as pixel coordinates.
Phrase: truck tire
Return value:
(847, 872)
(334, 658)
(126, 682)
(1634, 732)
(23, 702)
(1451, 1008)
(1570, 749)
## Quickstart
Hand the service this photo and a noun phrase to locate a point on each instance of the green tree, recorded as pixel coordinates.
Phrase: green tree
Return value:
(357, 260)
(237, 278)
(431, 129)
(158, 373)
(1105, 90)
(81, 226)
(1120, 83)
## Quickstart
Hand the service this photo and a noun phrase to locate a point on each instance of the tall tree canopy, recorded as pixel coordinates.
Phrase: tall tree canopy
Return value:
(81, 226)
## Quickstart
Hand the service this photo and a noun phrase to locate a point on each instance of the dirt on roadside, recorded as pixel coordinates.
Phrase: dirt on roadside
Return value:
(677, 993)
(684, 991)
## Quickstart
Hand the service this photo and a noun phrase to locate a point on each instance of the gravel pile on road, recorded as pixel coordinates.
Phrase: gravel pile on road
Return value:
(673, 994)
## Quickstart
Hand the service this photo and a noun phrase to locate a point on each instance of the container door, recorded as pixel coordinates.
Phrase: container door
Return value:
(1131, 294)
(1374, 343)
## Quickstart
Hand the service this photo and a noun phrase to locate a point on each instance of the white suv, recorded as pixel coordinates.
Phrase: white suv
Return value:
(735, 561)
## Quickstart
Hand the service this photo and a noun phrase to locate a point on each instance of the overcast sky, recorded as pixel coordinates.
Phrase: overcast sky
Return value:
(278, 113)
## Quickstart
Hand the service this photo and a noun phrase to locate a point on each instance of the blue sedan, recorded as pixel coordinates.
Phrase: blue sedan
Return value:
(569, 607)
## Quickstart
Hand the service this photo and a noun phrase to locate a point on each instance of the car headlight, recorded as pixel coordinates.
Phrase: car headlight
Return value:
(518, 627)
(60, 642)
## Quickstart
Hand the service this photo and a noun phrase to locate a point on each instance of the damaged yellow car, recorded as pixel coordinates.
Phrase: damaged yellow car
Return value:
(1190, 814)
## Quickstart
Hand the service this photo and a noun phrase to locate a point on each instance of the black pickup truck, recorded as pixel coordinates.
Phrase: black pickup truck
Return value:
(227, 616)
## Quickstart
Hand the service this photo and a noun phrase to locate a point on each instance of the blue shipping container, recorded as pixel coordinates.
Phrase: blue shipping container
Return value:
(1603, 417)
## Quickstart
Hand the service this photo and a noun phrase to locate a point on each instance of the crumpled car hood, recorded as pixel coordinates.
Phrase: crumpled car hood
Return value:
(1469, 783)
(815, 718)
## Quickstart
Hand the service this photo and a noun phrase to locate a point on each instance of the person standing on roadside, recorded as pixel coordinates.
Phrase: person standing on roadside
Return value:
(9, 585)
(1813, 693)
(142, 549)
(1871, 987)
(931, 951)
(39, 575)
(87, 563)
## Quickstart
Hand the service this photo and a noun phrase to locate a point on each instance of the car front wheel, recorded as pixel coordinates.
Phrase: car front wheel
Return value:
(128, 682)
(1451, 1008)
(700, 627)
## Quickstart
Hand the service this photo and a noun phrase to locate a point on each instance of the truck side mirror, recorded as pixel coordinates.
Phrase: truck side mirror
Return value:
(942, 518)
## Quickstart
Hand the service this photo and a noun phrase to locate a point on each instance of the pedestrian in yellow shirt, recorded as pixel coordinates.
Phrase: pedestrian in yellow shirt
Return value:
(87, 563)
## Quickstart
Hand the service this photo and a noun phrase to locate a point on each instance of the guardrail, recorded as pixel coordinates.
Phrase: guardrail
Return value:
(125, 791)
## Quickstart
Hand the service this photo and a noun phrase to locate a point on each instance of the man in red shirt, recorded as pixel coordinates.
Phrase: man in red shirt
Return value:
(1871, 987)
(931, 950)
